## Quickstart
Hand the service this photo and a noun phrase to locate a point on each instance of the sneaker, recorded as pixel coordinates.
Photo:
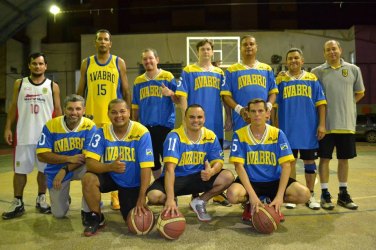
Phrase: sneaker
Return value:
(290, 205)
(194, 196)
(95, 222)
(85, 217)
(313, 203)
(42, 205)
(246, 216)
(326, 202)
(344, 200)
(221, 199)
(115, 205)
(199, 207)
(16, 209)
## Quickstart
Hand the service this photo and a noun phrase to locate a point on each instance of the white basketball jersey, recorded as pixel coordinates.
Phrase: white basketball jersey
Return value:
(35, 106)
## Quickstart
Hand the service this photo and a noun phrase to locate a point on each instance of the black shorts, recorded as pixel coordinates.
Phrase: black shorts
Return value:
(268, 189)
(190, 184)
(305, 154)
(127, 196)
(158, 135)
(344, 144)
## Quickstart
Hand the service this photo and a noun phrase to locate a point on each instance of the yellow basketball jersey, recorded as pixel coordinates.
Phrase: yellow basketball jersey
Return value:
(103, 84)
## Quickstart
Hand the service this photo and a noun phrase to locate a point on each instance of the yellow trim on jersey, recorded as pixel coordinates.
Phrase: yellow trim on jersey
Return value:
(171, 159)
(360, 92)
(287, 158)
(319, 103)
(43, 150)
(147, 164)
(181, 93)
(92, 155)
(136, 131)
(134, 106)
(226, 92)
(234, 159)
(273, 91)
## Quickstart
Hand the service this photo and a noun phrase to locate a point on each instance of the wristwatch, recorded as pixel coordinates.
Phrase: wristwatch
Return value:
(66, 169)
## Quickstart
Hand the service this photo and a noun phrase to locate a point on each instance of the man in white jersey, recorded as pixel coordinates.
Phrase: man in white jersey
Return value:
(35, 100)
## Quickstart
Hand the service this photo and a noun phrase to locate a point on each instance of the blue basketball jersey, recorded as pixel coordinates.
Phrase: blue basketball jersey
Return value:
(154, 108)
(58, 139)
(297, 101)
(244, 84)
(135, 150)
(204, 88)
(261, 158)
(188, 156)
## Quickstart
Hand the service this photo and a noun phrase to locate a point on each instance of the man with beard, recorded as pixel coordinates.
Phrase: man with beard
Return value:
(152, 104)
(35, 100)
(62, 144)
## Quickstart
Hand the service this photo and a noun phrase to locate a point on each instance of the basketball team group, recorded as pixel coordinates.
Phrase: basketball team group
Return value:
(116, 143)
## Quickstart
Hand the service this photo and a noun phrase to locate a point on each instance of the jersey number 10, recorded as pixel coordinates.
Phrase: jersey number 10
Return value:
(34, 108)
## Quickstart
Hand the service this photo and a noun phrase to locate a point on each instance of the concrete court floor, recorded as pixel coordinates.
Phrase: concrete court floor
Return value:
(303, 228)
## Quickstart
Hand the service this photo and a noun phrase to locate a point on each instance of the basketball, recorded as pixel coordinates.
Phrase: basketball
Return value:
(171, 227)
(140, 225)
(273, 213)
(264, 222)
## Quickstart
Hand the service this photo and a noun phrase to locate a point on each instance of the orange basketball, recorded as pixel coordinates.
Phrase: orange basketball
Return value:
(264, 222)
(140, 225)
(171, 227)
(273, 213)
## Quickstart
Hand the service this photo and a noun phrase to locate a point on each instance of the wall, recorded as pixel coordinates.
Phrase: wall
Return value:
(172, 46)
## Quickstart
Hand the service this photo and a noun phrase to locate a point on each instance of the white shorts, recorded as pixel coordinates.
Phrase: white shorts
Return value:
(25, 158)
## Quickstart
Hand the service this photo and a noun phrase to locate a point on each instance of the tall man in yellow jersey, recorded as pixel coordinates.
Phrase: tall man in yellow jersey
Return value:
(103, 78)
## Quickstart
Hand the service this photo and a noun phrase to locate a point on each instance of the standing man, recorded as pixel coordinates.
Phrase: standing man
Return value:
(103, 78)
(119, 157)
(62, 144)
(201, 83)
(35, 100)
(151, 107)
(343, 86)
(262, 155)
(248, 80)
(193, 164)
(301, 116)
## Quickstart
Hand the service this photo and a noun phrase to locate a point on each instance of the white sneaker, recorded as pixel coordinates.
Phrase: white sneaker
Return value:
(312, 203)
(290, 205)
(199, 207)
(42, 205)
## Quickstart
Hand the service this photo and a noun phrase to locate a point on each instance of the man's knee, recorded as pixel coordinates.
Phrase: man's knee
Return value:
(233, 193)
(89, 180)
(226, 177)
(156, 197)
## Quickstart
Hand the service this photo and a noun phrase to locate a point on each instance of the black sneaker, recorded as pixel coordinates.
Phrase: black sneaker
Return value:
(326, 202)
(95, 222)
(16, 209)
(85, 217)
(221, 199)
(42, 205)
(344, 200)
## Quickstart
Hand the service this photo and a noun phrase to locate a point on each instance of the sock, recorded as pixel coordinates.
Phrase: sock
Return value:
(39, 194)
(19, 197)
(324, 186)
